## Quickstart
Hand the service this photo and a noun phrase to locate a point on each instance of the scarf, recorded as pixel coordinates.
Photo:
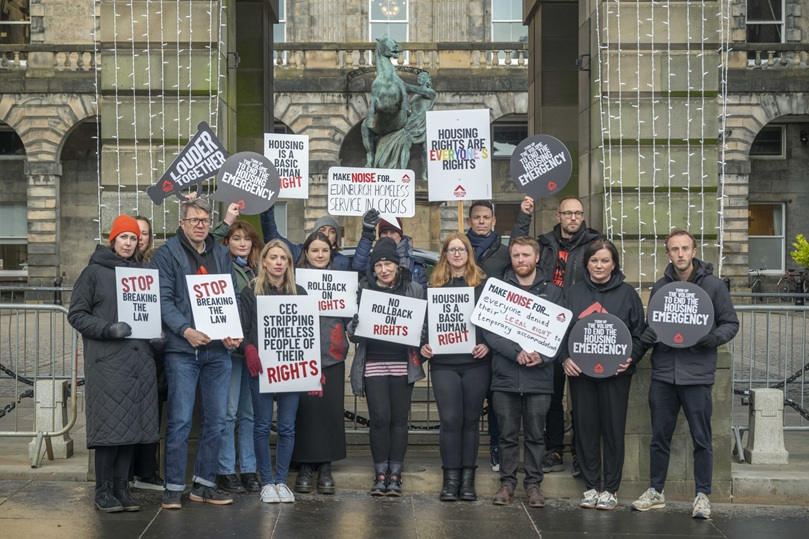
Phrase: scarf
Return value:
(481, 244)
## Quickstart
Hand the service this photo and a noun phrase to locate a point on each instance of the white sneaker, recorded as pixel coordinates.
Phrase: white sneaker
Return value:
(702, 507)
(284, 494)
(651, 499)
(607, 501)
(590, 499)
(269, 494)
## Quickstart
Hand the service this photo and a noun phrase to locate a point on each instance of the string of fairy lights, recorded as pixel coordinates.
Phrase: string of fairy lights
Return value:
(179, 97)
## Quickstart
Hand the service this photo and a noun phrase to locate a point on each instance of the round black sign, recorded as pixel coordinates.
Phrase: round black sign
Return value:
(540, 166)
(250, 180)
(598, 344)
(681, 313)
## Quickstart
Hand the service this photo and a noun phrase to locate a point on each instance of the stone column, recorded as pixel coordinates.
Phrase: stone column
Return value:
(43, 222)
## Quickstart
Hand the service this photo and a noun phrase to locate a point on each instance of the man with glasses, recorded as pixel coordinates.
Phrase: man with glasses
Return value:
(192, 357)
(562, 259)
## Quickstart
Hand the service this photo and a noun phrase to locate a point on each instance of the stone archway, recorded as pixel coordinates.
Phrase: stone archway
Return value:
(746, 116)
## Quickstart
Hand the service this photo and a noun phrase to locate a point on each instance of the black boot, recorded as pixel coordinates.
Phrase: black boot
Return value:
(452, 482)
(105, 501)
(380, 485)
(395, 479)
(303, 483)
(120, 489)
(467, 490)
(325, 482)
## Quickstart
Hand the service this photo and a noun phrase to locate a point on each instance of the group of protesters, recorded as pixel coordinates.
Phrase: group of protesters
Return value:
(571, 266)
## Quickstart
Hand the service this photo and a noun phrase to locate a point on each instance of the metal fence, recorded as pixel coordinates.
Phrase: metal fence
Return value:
(36, 345)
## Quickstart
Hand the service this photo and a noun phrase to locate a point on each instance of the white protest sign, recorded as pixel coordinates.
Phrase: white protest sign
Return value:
(449, 311)
(537, 325)
(213, 304)
(288, 343)
(290, 155)
(391, 318)
(354, 191)
(138, 293)
(459, 155)
(335, 291)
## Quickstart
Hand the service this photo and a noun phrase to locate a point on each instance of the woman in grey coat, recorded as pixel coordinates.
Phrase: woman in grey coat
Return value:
(120, 373)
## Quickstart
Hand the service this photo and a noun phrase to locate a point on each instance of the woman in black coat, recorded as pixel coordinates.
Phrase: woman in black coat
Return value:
(120, 373)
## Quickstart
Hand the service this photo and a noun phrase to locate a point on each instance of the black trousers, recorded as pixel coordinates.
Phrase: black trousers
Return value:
(555, 420)
(459, 395)
(514, 409)
(113, 461)
(599, 412)
(388, 405)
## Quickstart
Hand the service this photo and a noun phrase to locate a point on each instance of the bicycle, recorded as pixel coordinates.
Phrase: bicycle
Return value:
(755, 280)
(792, 283)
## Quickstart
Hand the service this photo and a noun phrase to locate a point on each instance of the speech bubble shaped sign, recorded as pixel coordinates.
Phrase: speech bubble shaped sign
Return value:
(540, 166)
(250, 180)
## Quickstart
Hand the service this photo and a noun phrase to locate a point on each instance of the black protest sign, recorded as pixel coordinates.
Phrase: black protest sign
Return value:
(540, 166)
(598, 344)
(199, 160)
(681, 313)
(250, 180)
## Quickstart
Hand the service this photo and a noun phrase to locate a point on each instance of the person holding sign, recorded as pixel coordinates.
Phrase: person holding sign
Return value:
(244, 244)
(600, 404)
(192, 357)
(404, 246)
(460, 381)
(327, 224)
(120, 372)
(385, 372)
(522, 383)
(684, 378)
(276, 277)
(320, 413)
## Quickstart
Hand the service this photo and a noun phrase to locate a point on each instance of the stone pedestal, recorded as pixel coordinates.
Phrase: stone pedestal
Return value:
(51, 415)
(765, 441)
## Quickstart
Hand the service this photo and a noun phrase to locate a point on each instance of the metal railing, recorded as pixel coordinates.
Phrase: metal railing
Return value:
(36, 344)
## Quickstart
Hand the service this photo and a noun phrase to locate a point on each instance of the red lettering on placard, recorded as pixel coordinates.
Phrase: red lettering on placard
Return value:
(133, 284)
(331, 304)
(214, 288)
(363, 177)
(454, 337)
(390, 329)
(291, 182)
(293, 371)
(522, 301)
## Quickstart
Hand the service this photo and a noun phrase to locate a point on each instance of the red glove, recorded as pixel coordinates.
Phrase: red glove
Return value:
(319, 393)
(253, 362)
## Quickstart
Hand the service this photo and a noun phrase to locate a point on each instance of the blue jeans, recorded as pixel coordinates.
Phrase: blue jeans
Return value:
(211, 370)
(240, 405)
(262, 421)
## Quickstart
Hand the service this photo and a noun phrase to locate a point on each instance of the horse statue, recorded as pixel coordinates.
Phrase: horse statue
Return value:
(389, 106)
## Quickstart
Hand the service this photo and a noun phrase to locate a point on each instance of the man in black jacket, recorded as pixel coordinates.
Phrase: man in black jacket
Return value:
(562, 257)
(494, 259)
(522, 384)
(684, 378)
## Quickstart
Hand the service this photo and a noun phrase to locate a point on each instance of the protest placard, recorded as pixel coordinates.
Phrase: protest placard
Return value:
(335, 291)
(138, 293)
(249, 180)
(449, 314)
(354, 191)
(199, 160)
(290, 156)
(213, 304)
(536, 324)
(459, 155)
(598, 344)
(386, 317)
(288, 343)
(540, 166)
(681, 313)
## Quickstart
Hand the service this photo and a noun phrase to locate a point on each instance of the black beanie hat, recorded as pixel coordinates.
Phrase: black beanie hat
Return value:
(385, 249)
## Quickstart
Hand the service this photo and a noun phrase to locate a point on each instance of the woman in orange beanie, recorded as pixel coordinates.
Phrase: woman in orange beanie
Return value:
(120, 373)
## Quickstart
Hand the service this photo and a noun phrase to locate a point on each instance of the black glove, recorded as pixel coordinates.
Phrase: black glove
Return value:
(370, 220)
(352, 326)
(648, 337)
(158, 344)
(119, 330)
(708, 341)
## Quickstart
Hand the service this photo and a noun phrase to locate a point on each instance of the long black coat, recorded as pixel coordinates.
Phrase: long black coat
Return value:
(121, 380)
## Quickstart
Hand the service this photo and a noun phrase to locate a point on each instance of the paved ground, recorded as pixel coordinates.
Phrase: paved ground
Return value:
(61, 509)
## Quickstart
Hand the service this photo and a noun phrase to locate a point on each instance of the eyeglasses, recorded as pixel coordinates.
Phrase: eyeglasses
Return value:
(569, 214)
(196, 222)
(456, 251)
